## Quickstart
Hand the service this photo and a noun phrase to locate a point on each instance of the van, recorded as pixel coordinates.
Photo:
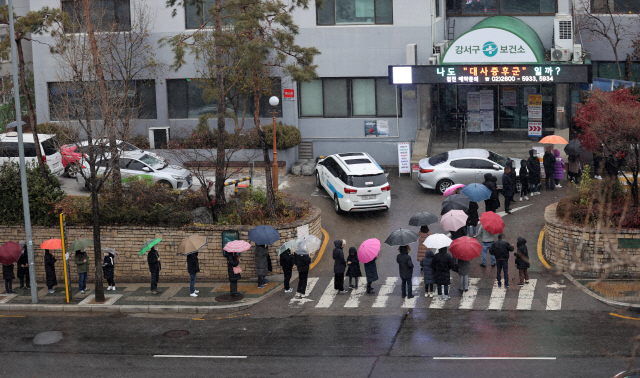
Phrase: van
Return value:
(49, 147)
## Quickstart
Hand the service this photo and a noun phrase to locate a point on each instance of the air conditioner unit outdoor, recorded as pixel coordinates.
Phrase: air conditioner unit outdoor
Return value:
(560, 55)
(412, 54)
(439, 48)
(577, 53)
(433, 61)
(563, 32)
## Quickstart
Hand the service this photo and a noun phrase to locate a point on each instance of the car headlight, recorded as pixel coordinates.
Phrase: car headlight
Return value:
(178, 177)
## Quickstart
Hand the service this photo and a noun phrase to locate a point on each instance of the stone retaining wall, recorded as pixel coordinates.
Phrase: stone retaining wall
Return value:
(133, 268)
(561, 238)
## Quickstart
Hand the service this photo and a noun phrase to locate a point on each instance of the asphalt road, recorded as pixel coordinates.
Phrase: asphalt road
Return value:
(349, 334)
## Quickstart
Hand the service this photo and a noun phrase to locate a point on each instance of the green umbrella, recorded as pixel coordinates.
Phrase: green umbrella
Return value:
(80, 244)
(148, 245)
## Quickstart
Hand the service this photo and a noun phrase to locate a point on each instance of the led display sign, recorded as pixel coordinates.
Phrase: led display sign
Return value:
(491, 74)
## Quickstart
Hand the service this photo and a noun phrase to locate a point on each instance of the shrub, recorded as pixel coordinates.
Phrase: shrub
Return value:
(140, 141)
(250, 208)
(204, 137)
(286, 136)
(65, 134)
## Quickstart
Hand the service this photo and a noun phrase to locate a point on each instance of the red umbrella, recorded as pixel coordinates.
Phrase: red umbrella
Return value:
(9, 253)
(465, 248)
(492, 222)
(51, 244)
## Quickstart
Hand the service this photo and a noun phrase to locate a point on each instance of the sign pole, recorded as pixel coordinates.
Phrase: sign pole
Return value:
(64, 257)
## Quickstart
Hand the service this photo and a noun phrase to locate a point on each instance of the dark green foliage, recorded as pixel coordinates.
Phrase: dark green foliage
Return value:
(43, 197)
(140, 141)
(203, 137)
(249, 207)
(286, 136)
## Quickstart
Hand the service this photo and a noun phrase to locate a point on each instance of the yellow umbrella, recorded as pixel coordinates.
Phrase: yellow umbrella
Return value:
(192, 244)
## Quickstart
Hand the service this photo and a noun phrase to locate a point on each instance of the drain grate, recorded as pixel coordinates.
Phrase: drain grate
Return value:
(175, 334)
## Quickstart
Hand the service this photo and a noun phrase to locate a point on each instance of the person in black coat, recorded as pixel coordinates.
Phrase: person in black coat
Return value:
(50, 270)
(522, 260)
(533, 167)
(507, 189)
(472, 220)
(353, 267)
(462, 231)
(339, 265)
(371, 271)
(108, 270)
(500, 250)
(549, 163)
(405, 265)
(7, 274)
(489, 205)
(193, 267)
(524, 180)
(441, 264)
(286, 262)
(23, 267)
(233, 260)
(153, 259)
(495, 196)
(302, 261)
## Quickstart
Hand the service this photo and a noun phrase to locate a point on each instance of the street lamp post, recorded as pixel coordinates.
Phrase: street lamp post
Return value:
(274, 101)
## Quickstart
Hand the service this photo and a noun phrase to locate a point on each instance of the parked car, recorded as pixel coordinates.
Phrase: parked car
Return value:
(140, 165)
(355, 182)
(464, 166)
(49, 147)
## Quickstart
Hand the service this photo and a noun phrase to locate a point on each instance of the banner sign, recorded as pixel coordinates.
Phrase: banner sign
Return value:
(404, 157)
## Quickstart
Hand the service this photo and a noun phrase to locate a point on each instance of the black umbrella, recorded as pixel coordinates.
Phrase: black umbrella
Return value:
(264, 235)
(423, 219)
(402, 237)
(455, 202)
(573, 147)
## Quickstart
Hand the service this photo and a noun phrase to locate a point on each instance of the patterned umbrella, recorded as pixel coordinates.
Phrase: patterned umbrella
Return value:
(237, 246)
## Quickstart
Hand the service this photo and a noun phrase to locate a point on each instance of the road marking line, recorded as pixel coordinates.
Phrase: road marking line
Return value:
(502, 213)
(416, 285)
(494, 358)
(328, 296)
(497, 297)
(525, 297)
(623, 316)
(385, 290)
(356, 294)
(542, 260)
(469, 297)
(298, 302)
(324, 246)
(436, 302)
(180, 356)
(13, 316)
(554, 301)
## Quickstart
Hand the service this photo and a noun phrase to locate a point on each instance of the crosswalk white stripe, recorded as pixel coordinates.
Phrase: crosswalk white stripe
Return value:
(416, 285)
(497, 297)
(554, 301)
(385, 290)
(525, 296)
(298, 302)
(356, 294)
(469, 297)
(328, 296)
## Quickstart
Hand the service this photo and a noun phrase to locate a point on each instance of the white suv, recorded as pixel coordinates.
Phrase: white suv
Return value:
(49, 147)
(355, 182)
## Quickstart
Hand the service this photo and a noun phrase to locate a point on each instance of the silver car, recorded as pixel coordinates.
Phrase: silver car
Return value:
(462, 167)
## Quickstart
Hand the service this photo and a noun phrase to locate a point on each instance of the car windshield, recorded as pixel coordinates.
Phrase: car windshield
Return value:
(367, 181)
(438, 159)
(124, 146)
(497, 158)
(152, 162)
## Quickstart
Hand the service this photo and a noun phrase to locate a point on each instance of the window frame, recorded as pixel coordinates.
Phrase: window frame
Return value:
(500, 12)
(115, 17)
(612, 9)
(343, 24)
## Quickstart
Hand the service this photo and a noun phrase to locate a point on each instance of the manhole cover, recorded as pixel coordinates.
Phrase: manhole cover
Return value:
(229, 298)
(176, 333)
(46, 338)
(117, 315)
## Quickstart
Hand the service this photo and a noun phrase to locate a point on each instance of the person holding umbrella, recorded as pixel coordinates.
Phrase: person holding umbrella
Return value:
(558, 168)
(368, 253)
(339, 265)
(472, 220)
(261, 254)
(153, 260)
(422, 249)
(549, 163)
(533, 167)
(286, 262)
(50, 271)
(405, 265)
(464, 250)
(492, 203)
(507, 189)
(302, 260)
(7, 274)
(82, 263)
(193, 267)
(23, 267)
(574, 169)
(441, 264)
(233, 260)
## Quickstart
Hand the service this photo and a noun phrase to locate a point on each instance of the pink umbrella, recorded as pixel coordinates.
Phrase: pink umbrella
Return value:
(237, 246)
(368, 250)
(452, 189)
(453, 220)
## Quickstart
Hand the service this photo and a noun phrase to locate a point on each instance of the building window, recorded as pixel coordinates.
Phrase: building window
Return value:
(106, 15)
(344, 98)
(609, 70)
(510, 7)
(339, 12)
(5, 56)
(615, 6)
(438, 8)
(198, 16)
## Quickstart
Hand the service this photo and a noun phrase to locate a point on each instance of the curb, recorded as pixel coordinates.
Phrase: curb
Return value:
(609, 302)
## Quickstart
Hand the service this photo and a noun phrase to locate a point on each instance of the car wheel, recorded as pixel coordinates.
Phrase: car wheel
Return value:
(165, 184)
(318, 184)
(443, 185)
(336, 205)
(72, 170)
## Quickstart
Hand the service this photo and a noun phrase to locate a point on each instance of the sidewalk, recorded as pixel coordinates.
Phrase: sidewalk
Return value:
(137, 298)
(614, 292)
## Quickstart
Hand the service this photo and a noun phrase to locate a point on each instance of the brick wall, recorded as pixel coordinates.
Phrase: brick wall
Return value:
(562, 241)
(128, 241)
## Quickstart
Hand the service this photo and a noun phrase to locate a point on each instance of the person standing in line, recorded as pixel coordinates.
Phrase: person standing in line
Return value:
(371, 271)
(353, 267)
(549, 163)
(50, 271)
(522, 261)
(558, 168)
(489, 204)
(422, 249)
(533, 167)
(405, 265)
(464, 269)
(513, 175)
(496, 197)
(339, 265)
(487, 239)
(262, 265)
(302, 262)
(286, 262)
(507, 189)
(153, 259)
(462, 231)
(108, 270)
(23, 267)
(524, 180)
(574, 169)
(472, 219)
(441, 264)
(429, 275)
(7, 274)
(193, 267)
(82, 263)
(233, 270)
(500, 250)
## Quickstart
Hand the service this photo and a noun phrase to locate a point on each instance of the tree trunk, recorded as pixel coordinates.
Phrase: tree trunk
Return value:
(271, 200)
(97, 250)
(220, 199)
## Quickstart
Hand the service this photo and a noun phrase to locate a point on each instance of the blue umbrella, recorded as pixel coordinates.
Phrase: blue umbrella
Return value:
(264, 235)
(476, 192)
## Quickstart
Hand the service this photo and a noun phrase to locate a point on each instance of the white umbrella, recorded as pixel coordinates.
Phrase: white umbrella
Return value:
(309, 243)
(437, 241)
